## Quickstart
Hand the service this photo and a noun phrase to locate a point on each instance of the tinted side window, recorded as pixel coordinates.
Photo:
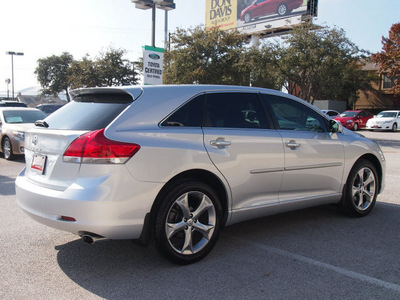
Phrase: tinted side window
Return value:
(234, 110)
(189, 115)
(292, 115)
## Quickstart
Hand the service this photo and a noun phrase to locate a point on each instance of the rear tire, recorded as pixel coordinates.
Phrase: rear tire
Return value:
(188, 222)
(282, 9)
(361, 190)
(247, 18)
(394, 127)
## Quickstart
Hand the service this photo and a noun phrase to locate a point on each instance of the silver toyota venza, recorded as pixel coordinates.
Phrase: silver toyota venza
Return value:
(177, 163)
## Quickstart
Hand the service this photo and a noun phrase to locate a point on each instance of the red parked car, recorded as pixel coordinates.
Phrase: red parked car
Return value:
(354, 119)
(265, 7)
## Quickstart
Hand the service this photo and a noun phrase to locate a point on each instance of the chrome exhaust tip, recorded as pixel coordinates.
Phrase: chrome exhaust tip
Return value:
(90, 238)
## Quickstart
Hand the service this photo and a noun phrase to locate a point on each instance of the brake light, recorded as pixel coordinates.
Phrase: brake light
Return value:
(93, 147)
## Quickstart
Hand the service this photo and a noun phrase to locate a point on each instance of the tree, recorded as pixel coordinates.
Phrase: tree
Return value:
(52, 73)
(110, 69)
(212, 57)
(114, 70)
(60, 73)
(84, 73)
(318, 64)
(389, 58)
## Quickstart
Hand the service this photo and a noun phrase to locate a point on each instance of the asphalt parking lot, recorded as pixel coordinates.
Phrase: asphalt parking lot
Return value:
(314, 253)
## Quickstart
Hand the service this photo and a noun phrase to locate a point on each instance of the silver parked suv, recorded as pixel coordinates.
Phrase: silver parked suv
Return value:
(177, 163)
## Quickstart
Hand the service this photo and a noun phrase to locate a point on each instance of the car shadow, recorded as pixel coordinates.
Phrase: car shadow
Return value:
(123, 269)
(7, 183)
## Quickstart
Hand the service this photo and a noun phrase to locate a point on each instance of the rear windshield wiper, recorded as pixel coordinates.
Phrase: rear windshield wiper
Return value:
(41, 123)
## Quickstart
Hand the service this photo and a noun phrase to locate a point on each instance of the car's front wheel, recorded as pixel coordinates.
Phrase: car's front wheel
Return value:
(355, 126)
(187, 223)
(361, 190)
(394, 127)
(7, 149)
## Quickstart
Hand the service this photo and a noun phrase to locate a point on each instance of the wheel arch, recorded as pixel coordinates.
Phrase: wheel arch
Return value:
(378, 167)
(204, 176)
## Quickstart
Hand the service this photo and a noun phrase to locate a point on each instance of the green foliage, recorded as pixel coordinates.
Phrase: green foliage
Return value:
(52, 73)
(389, 58)
(319, 64)
(60, 73)
(212, 57)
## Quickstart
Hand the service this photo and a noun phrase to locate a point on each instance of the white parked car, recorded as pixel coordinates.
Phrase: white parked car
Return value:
(177, 163)
(385, 120)
(331, 113)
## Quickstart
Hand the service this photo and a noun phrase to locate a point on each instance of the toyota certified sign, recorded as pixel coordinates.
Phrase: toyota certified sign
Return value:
(153, 59)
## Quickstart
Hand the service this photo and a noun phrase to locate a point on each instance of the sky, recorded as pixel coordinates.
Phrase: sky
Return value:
(43, 28)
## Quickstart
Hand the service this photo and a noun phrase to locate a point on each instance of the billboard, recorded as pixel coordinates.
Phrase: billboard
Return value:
(153, 65)
(258, 16)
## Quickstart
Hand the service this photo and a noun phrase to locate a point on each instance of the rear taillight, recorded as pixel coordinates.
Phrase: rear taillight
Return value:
(93, 147)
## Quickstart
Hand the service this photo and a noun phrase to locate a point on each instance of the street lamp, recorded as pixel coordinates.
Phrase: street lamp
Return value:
(153, 4)
(12, 53)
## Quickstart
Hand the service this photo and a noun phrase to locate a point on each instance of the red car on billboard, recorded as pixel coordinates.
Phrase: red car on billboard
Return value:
(354, 119)
(265, 7)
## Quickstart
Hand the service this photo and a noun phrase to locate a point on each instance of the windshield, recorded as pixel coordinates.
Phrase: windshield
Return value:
(387, 115)
(23, 116)
(349, 114)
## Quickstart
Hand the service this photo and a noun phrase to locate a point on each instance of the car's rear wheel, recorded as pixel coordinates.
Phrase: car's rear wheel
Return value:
(361, 190)
(7, 149)
(188, 222)
(247, 17)
(394, 127)
(282, 9)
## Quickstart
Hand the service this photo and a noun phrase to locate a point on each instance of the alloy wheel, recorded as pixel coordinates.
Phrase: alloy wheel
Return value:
(364, 188)
(190, 223)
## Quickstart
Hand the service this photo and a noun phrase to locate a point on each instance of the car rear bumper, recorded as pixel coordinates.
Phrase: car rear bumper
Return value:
(108, 212)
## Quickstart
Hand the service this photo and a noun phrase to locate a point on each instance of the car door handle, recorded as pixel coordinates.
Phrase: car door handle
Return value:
(292, 144)
(220, 143)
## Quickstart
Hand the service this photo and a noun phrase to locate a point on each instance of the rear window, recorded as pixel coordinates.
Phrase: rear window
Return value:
(88, 112)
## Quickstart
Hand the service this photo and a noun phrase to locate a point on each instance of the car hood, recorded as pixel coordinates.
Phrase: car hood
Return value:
(344, 119)
(382, 119)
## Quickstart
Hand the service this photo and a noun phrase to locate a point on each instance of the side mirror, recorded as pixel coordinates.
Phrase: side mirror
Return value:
(335, 126)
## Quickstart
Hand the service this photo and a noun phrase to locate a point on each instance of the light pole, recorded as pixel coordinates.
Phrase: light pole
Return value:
(12, 53)
(153, 4)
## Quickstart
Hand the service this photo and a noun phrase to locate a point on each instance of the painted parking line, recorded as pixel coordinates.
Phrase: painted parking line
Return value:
(348, 273)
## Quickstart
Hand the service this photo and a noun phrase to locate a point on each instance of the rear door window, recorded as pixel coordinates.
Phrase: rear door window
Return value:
(234, 110)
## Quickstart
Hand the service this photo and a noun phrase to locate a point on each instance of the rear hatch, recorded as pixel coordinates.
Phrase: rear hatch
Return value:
(45, 145)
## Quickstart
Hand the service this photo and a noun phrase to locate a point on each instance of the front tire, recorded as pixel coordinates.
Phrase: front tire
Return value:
(187, 223)
(355, 127)
(7, 149)
(361, 190)
(394, 127)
